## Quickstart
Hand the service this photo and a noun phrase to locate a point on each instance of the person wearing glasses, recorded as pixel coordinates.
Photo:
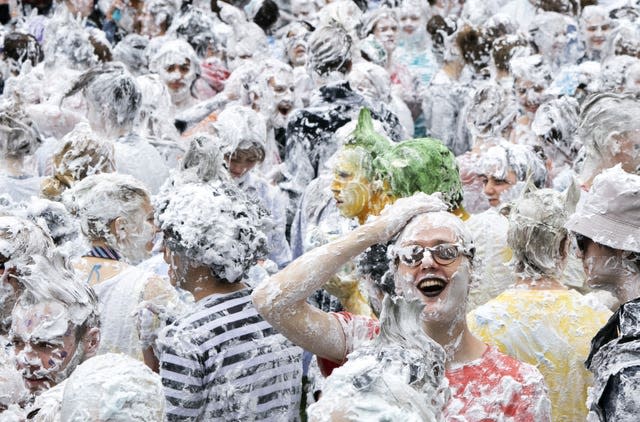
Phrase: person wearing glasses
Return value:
(538, 319)
(607, 231)
(432, 260)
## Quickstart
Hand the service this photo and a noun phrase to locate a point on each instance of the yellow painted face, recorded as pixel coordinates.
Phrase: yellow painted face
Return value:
(350, 186)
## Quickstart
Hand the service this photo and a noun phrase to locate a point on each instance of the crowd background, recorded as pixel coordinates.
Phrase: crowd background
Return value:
(160, 160)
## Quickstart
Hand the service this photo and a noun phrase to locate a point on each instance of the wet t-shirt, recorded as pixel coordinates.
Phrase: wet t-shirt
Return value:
(550, 329)
(495, 387)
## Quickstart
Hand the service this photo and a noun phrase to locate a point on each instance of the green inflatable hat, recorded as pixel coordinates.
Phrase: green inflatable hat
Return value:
(421, 165)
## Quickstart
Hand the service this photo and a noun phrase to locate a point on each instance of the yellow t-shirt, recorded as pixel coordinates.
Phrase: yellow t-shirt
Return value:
(551, 329)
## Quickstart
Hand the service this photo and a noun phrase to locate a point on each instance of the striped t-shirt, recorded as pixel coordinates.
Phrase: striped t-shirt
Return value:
(224, 362)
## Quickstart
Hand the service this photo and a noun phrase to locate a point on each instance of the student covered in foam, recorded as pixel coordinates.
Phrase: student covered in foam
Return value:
(233, 364)
(80, 153)
(607, 236)
(55, 326)
(539, 320)
(241, 136)
(610, 134)
(113, 101)
(116, 218)
(439, 279)
(20, 240)
(503, 169)
(19, 138)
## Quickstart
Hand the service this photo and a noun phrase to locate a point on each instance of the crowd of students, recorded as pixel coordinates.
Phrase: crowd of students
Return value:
(320, 210)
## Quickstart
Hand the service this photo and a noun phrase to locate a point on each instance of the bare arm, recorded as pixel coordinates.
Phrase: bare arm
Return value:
(282, 300)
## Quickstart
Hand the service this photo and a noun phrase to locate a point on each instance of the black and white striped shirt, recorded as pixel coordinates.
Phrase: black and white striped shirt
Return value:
(224, 362)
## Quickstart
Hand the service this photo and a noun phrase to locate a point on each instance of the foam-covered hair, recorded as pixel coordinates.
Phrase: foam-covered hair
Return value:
(112, 91)
(101, 198)
(131, 51)
(499, 159)
(49, 215)
(213, 224)
(19, 135)
(20, 239)
(203, 161)
(556, 122)
(492, 109)
(174, 51)
(606, 113)
(365, 136)
(536, 230)
(329, 48)
(196, 27)
(81, 153)
(67, 42)
(371, 19)
(53, 279)
(239, 127)
(531, 68)
(421, 165)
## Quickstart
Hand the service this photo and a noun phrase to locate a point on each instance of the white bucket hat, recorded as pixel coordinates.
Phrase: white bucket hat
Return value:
(609, 213)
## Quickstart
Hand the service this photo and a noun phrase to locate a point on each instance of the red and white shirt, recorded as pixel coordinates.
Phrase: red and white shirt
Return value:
(495, 387)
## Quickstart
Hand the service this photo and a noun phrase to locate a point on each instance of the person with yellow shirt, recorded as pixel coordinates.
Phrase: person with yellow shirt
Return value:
(539, 320)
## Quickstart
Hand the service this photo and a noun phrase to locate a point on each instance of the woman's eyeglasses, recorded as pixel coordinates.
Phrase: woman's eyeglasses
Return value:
(443, 254)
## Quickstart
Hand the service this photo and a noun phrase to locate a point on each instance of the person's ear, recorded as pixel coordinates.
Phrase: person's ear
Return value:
(564, 248)
(118, 228)
(91, 342)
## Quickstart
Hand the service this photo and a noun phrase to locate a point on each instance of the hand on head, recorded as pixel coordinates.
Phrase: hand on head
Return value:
(394, 217)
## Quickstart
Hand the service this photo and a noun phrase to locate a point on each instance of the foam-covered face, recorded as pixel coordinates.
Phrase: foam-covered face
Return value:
(442, 288)
(361, 82)
(530, 95)
(495, 186)
(75, 47)
(282, 88)
(152, 24)
(303, 9)
(596, 28)
(9, 291)
(553, 39)
(45, 344)
(626, 150)
(350, 187)
(410, 21)
(633, 78)
(135, 235)
(605, 267)
(176, 271)
(241, 164)
(178, 76)
(297, 52)
(81, 7)
(386, 31)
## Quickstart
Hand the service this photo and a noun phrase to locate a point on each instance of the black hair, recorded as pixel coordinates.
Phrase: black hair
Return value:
(22, 47)
(267, 15)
